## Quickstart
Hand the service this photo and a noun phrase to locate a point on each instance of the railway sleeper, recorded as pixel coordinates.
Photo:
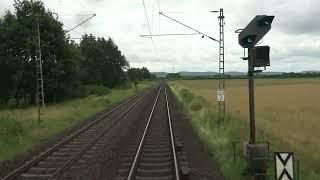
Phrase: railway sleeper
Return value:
(146, 165)
(150, 149)
(155, 159)
(154, 172)
(49, 164)
(42, 170)
(169, 177)
(156, 154)
(27, 176)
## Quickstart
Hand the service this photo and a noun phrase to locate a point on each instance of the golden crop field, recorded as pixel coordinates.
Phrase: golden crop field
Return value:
(286, 109)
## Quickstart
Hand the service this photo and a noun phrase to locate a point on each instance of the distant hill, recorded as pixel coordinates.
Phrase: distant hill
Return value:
(236, 73)
(187, 73)
(231, 73)
(272, 73)
(311, 71)
(159, 74)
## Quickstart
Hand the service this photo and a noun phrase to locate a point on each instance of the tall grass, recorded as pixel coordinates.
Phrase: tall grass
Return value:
(203, 117)
(20, 131)
(219, 139)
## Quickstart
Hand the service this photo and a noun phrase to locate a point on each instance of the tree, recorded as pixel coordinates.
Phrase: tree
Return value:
(135, 75)
(68, 67)
(19, 47)
(103, 62)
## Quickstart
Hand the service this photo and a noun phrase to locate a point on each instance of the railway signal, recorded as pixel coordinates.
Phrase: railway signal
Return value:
(255, 30)
(257, 57)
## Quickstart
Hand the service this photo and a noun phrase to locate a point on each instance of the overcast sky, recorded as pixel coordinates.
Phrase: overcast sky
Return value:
(294, 38)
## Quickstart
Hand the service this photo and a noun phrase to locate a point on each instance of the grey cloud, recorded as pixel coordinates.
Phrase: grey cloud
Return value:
(294, 38)
(300, 23)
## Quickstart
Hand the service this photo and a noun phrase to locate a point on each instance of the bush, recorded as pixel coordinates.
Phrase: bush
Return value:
(186, 95)
(125, 85)
(10, 130)
(197, 104)
(97, 90)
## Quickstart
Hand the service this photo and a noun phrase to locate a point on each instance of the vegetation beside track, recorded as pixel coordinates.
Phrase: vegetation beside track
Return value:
(20, 131)
(203, 117)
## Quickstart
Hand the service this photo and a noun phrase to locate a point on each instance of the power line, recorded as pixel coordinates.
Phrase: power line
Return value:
(175, 34)
(70, 30)
(145, 12)
(21, 69)
(152, 19)
(161, 13)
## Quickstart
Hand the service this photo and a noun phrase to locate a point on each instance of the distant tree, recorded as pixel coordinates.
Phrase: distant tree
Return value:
(135, 75)
(145, 73)
(173, 76)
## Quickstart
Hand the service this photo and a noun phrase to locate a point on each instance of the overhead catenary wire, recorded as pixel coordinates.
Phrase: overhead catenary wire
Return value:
(173, 34)
(161, 13)
(146, 15)
(92, 16)
(21, 69)
(152, 19)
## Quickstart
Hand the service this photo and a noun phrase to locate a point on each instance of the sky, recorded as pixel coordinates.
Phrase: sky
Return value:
(294, 38)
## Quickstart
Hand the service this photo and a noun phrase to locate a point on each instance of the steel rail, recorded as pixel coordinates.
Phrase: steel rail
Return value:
(62, 169)
(138, 152)
(172, 138)
(53, 149)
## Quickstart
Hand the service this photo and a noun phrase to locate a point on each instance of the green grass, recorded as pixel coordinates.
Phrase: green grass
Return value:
(20, 131)
(203, 117)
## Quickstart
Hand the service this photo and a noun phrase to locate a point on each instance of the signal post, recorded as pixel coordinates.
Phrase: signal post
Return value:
(258, 56)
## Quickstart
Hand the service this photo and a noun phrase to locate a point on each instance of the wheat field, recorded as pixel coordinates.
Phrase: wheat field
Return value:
(287, 110)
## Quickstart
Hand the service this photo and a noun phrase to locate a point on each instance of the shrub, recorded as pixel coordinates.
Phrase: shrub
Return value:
(197, 104)
(10, 129)
(124, 86)
(186, 95)
(97, 90)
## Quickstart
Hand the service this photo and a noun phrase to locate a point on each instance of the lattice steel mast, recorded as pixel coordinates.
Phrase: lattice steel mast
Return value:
(40, 88)
(222, 110)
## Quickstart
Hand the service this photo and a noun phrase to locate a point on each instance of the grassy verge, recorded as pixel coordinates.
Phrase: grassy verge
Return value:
(20, 131)
(203, 117)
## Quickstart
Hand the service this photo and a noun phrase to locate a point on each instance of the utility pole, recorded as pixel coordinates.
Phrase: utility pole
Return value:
(222, 109)
(252, 119)
(40, 91)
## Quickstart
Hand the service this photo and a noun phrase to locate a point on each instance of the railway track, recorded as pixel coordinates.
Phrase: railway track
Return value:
(58, 159)
(153, 156)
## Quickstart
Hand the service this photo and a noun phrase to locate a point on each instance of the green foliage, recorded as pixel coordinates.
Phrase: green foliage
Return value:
(10, 130)
(97, 90)
(103, 62)
(19, 131)
(217, 138)
(136, 75)
(139, 74)
(68, 67)
(173, 76)
(186, 95)
(197, 103)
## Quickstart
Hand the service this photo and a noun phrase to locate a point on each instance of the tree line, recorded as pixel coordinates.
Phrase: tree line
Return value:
(69, 68)
(257, 75)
